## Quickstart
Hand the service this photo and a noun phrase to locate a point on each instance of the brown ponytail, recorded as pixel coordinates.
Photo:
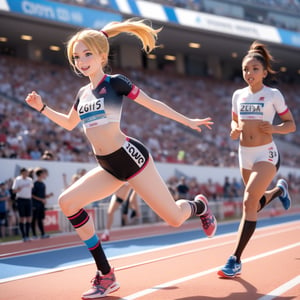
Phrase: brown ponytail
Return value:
(261, 53)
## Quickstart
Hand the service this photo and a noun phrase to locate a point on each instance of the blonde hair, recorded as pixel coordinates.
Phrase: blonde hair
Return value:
(97, 41)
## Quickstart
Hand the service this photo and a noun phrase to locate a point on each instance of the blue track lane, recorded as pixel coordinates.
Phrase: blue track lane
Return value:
(51, 260)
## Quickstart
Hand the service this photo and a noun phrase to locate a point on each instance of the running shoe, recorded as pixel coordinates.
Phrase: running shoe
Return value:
(102, 285)
(208, 220)
(45, 236)
(231, 269)
(285, 197)
(104, 237)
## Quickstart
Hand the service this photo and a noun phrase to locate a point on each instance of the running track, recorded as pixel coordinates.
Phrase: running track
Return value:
(158, 262)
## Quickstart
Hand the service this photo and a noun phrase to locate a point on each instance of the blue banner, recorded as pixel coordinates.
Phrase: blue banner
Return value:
(289, 37)
(59, 12)
(85, 17)
(205, 21)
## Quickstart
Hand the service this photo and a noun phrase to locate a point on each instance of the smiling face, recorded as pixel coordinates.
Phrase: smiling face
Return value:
(88, 52)
(85, 61)
(253, 73)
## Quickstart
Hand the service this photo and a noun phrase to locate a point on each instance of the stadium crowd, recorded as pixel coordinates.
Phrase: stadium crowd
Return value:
(26, 134)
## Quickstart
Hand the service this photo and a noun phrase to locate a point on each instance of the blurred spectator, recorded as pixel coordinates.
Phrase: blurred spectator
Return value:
(39, 199)
(22, 187)
(74, 178)
(227, 190)
(13, 209)
(237, 188)
(233, 190)
(4, 211)
(47, 155)
(182, 188)
(212, 190)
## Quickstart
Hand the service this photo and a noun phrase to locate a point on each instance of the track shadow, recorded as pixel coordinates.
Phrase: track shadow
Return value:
(250, 293)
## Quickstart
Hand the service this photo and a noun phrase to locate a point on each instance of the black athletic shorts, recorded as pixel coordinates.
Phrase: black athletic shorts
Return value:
(38, 210)
(126, 162)
(4, 218)
(24, 207)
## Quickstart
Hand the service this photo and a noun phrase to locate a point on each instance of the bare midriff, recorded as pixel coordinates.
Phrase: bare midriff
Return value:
(251, 135)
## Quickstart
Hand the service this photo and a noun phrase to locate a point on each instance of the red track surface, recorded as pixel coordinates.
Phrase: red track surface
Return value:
(271, 262)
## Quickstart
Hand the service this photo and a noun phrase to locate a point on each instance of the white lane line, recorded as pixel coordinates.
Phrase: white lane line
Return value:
(79, 243)
(282, 289)
(203, 273)
(41, 249)
(195, 250)
(161, 258)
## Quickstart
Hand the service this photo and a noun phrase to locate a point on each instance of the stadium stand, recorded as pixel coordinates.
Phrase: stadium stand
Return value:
(24, 130)
(279, 13)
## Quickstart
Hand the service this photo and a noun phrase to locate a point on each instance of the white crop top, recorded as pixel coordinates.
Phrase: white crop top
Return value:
(258, 106)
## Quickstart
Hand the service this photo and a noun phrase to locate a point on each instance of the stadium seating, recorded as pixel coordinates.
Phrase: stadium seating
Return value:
(27, 134)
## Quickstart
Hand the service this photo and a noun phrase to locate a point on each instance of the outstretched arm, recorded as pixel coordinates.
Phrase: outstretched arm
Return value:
(67, 121)
(166, 111)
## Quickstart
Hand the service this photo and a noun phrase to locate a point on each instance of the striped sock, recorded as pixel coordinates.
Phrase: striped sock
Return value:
(96, 250)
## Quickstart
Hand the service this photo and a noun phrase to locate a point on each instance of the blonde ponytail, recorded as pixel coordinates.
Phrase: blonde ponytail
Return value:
(97, 41)
(139, 28)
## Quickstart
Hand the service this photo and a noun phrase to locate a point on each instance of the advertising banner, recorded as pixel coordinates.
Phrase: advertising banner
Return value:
(59, 12)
